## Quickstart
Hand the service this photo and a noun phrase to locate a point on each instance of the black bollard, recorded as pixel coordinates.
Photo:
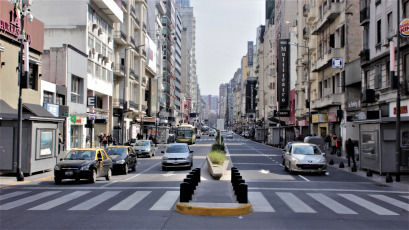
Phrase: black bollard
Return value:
(198, 174)
(191, 187)
(193, 179)
(236, 186)
(369, 173)
(235, 182)
(388, 178)
(331, 162)
(242, 193)
(185, 194)
(341, 164)
(234, 177)
(353, 169)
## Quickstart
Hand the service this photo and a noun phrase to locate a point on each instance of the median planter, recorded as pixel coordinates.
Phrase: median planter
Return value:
(217, 171)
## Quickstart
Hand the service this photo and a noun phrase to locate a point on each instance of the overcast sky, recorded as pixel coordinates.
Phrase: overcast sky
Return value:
(223, 28)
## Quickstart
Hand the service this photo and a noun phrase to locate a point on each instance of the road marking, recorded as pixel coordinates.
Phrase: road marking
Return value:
(392, 201)
(61, 200)
(407, 197)
(368, 205)
(295, 203)
(26, 200)
(259, 202)
(13, 194)
(166, 202)
(23, 182)
(133, 176)
(170, 173)
(264, 171)
(99, 188)
(331, 204)
(87, 205)
(303, 178)
(130, 201)
(329, 189)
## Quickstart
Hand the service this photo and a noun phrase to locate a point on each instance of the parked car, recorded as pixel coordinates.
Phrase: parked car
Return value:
(304, 157)
(246, 134)
(287, 147)
(198, 135)
(211, 133)
(144, 148)
(123, 158)
(176, 156)
(83, 164)
(229, 135)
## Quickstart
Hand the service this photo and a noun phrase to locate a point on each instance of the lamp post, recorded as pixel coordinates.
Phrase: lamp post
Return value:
(125, 103)
(309, 86)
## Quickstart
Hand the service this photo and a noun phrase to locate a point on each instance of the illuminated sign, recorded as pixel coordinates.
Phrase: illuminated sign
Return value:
(404, 27)
(13, 26)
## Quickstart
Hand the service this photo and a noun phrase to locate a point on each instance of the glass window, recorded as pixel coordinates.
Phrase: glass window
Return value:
(97, 71)
(77, 89)
(379, 32)
(390, 25)
(368, 142)
(60, 100)
(48, 97)
(32, 76)
(90, 68)
(104, 50)
(98, 45)
(90, 41)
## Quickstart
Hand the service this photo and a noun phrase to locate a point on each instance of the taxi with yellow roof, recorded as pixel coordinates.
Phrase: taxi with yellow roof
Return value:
(87, 163)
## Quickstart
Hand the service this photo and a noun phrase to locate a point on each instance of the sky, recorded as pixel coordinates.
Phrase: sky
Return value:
(223, 28)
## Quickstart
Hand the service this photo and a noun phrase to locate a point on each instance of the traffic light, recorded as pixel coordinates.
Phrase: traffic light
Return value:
(90, 124)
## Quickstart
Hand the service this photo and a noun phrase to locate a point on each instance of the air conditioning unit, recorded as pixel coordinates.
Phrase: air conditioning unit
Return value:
(99, 31)
(106, 59)
(112, 65)
(100, 56)
(368, 96)
(109, 39)
(94, 50)
(385, 42)
(94, 26)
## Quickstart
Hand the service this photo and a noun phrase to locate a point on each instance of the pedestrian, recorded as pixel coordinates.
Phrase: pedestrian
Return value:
(105, 141)
(100, 137)
(87, 141)
(60, 143)
(349, 145)
(109, 139)
(334, 144)
(328, 141)
(150, 137)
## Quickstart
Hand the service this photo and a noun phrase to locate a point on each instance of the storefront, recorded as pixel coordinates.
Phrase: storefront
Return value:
(320, 124)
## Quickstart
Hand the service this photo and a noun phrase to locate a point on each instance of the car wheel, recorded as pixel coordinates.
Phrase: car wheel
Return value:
(93, 176)
(191, 165)
(109, 174)
(134, 167)
(289, 168)
(153, 154)
(57, 180)
(126, 169)
(77, 180)
(285, 166)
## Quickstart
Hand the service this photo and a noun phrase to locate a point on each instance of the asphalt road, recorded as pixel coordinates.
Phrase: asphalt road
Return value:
(145, 199)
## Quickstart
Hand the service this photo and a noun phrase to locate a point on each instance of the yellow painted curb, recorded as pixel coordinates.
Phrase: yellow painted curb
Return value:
(23, 182)
(185, 208)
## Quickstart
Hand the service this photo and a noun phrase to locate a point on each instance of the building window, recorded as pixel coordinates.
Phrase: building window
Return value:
(390, 25)
(406, 9)
(379, 32)
(342, 36)
(77, 85)
(98, 46)
(90, 41)
(60, 100)
(378, 76)
(90, 68)
(388, 73)
(366, 79)
(48, 97)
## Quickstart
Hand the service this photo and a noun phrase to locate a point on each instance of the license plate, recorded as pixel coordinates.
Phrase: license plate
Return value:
(175, 163)
(69, 173)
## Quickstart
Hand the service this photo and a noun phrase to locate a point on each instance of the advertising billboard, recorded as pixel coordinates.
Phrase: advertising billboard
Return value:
(250, 54)
(283, 72)
(251, 93)
(151, 50)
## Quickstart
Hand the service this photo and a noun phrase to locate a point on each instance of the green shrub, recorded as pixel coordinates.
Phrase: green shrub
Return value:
(217, 157)
(218, 147)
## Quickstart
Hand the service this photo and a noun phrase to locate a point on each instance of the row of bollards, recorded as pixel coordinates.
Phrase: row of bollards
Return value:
(239, 186)
(188, 187)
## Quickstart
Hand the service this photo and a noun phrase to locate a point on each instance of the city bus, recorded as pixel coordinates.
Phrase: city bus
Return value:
(186, 134)
(205, 130)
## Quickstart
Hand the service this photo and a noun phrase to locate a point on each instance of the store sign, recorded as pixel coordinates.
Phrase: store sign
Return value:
(318, 118)
(52, 108)
(12, 27)
(404, 105)
(283, 74)
(353, 104)
(250, 53)
(404, 27)
(282, 113)
(337, 63)
(92, 101)
(332, 117)
(73, 119)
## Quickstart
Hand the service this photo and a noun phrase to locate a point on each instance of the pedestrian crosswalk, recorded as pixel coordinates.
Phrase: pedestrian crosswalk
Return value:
(225, 140)
(342, 203)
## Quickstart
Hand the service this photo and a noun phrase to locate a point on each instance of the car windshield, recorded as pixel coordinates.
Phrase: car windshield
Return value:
(116, 151)
(142, 143)
(80, 155)
(177, 149)
(306, 150)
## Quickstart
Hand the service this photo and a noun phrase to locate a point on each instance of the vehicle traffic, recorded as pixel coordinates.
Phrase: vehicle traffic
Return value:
(229, 135)
(176, 156)
(205, 130)
(123, 158)
(186, 134)
(144, 148)
(83, 164)
(212, 133)
(198, 135)
(304, 157)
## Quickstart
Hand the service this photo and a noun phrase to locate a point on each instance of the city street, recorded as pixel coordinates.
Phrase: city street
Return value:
(146, 199)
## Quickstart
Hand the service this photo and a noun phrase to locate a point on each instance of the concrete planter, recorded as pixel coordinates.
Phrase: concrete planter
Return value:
(217, 171)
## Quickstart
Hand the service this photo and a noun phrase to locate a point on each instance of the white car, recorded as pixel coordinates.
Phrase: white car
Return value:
(304, 157)
(176, 156)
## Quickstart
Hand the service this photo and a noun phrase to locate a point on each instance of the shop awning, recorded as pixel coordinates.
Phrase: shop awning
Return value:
(30, 111)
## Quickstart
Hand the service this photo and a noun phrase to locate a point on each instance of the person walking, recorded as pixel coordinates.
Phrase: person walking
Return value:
(334, 144)
(105, 141)
(60, 143)
(328, 141)
(109, 139)
(349, 145)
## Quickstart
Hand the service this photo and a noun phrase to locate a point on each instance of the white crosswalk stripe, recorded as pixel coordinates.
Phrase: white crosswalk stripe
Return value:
(166, 201)
(295, 203)
(27, 200)
(331, 204)
(392, 201)
(259, 202)
(368, 205)
(61, 200)
(87, 205)
(13, 194)
(407, 197)
(130, 201)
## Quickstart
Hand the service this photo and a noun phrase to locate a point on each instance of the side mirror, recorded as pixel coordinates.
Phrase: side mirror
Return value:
(99, 159)
(61, 159)
(162, 151)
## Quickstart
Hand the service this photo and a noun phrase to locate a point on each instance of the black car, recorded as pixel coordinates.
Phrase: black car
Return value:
(123, 158)
(83, 164)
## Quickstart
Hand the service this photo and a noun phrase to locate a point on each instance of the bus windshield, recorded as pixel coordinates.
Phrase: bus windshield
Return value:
(184, 134)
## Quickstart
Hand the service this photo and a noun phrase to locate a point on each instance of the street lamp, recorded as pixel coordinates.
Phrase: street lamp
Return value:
(125, 104)
(309, 86)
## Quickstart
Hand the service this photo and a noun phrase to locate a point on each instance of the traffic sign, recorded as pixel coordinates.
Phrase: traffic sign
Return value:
(337, 63)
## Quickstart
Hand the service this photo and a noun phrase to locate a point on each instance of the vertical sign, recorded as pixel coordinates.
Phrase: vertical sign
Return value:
(283, 74)
(251, 96)
(250, 54)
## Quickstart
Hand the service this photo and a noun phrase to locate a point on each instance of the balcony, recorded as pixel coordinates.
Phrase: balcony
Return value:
(312, 43)
(133, 105)
(144, 26)
(118, 103)
(161, 7)
(143, 80)
(364, 16)
(124, 5)
(327, 59)
(329, 100)
(143, 108)
(133, 42)
(133, 11)
(330, 13)
(365, 56)
(119, 70)
(306, 32)
(305, 10)
(120, 37)
(312, 14)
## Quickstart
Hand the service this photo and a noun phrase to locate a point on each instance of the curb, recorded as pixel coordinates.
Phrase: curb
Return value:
(209, 209)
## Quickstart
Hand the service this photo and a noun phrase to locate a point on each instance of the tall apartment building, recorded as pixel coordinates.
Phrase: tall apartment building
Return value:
(87, 26)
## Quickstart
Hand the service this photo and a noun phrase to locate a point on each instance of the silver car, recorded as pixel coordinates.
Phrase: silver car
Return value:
(176, 156)
(144, 148)
(304, 157)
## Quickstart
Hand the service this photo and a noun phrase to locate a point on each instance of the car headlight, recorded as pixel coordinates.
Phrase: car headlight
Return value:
(322, 161)
(57, 168)
(293, 159)
(165, 158)
(120, 162)
(84, 168)
(148, 150)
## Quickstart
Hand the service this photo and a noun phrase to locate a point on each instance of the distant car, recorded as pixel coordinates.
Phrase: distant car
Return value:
(198, 135)
(304, 157)
(176, 156)
(211, 133)
(83, 164)
(246, 134)
(144, 148)
(229, 136)
(123, 158)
